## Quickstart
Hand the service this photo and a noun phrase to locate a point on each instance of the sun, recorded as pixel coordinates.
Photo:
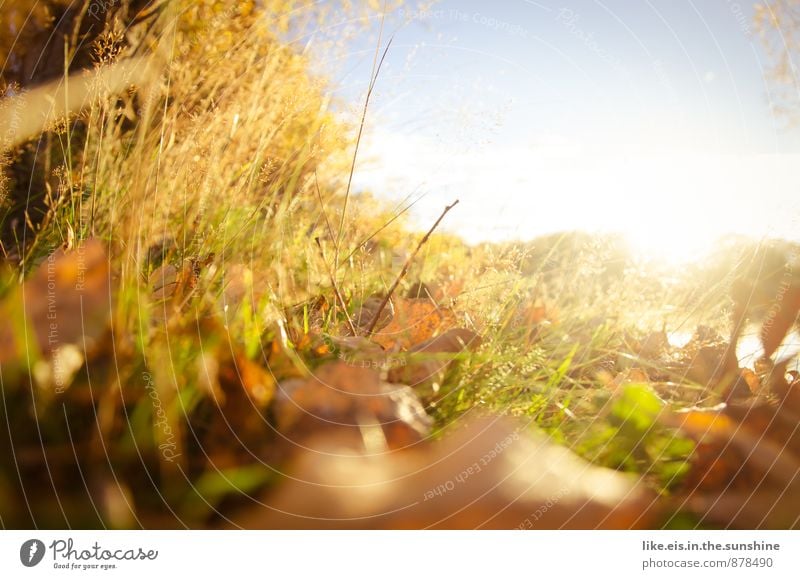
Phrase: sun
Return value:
(677, 246)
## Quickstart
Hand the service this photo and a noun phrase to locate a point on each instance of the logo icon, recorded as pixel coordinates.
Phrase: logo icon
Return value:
(32, 552)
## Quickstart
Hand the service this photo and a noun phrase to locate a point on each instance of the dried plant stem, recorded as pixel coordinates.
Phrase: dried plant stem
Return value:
(376, 71)
(376, 232)
(336, 291)
(322, 208)
(406, 265)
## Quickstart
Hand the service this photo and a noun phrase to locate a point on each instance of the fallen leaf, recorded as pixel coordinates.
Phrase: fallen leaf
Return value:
(67, 299)
(748, 509)
(414, 321)
(747, 456)
(169, 281)
(751, 380)
(237, 284)
(231, 424)
(768, 288)
(424, 291)
(491, 475)
(357, 351)
(366, 313)
(353, 399)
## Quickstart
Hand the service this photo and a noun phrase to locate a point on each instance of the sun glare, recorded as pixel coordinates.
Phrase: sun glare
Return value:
(675, 247)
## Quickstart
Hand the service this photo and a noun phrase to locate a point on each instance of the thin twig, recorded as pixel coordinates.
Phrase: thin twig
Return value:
(336, 289)
(406, 265)
(376, 70)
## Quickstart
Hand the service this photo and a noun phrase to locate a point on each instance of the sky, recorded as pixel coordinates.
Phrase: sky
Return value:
(648, 118)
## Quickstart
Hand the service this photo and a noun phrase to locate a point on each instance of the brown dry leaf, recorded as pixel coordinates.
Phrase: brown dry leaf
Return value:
(748, 509)
(491, 475)
(164, 281)
(784, 300)
(430, 370)
(425, 291)
(768, 422)
(414, 321)
(363, 317)
(747, 456)
(358, 351)
(714, 465)
(783, 316)
(707, 360)
(237, 282)
(231, 424)
(67, 299)
(169, 281)
(58, 317)
(353, 400)
(705, 365)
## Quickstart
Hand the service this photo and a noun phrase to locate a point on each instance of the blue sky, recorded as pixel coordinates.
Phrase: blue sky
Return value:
(651, 118)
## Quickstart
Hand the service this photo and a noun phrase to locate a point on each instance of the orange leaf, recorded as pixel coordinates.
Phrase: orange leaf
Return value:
(414, 321)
